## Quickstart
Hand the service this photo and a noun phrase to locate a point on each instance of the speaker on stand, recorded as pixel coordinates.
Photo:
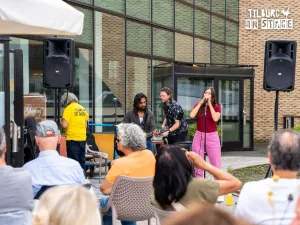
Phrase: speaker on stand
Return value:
(58, 59)
(279, 72)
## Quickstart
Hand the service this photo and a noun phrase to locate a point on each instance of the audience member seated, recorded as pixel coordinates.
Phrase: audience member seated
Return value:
(16, 200)
(51, 169)
(274, 199)
(137, 161)
(199, 214)
(173, 181)
(67, 205)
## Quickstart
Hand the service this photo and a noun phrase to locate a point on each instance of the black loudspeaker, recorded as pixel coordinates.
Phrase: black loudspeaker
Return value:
(280, 64)
(58, 63)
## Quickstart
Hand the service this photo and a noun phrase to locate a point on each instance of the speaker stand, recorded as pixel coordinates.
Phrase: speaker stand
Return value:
(269, 171)
(57, 95)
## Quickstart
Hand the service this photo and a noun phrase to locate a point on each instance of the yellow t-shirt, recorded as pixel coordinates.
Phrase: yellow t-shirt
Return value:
(137, 164)
(77, 117)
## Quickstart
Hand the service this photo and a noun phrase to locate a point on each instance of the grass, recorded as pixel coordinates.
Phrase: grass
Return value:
(251, 173)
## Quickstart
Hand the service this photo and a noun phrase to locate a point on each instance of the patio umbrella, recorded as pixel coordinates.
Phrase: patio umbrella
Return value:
(39, 17)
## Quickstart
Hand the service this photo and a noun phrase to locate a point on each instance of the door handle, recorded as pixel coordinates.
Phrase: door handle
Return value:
(14, 135)
(244, 118)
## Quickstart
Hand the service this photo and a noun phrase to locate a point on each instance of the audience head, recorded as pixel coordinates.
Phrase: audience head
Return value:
(67, 205)
(47, 135)
(67, 98)
(130, 137)
(198, 214)
(173, 173)
(284, 150)
(2, 144)
(140, 102)
(165, 94)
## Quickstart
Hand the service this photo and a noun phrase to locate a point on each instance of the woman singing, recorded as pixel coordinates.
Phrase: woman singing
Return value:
(174, 121)
(207, 124)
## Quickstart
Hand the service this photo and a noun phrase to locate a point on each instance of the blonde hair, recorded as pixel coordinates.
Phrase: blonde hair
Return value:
(67, 205)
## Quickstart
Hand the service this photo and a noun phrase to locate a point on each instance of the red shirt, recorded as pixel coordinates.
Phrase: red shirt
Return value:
(211, 125)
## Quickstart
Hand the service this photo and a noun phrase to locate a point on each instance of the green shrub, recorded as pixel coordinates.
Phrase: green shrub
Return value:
(193, 127)
(296, 128)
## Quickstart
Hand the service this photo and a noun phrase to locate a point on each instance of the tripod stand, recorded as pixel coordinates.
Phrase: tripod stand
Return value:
(269, 171)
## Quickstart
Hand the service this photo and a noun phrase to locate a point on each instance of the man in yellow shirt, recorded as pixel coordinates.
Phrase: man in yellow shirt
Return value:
(74, 120)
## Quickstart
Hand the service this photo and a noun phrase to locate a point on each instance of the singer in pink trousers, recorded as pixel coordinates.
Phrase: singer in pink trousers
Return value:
(207, 112)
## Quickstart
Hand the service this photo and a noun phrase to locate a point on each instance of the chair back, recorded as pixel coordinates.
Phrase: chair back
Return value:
(23, 217)
(130, 199)
(161, 215)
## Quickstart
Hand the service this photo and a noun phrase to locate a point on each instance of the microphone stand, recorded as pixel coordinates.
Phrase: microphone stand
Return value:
(205, 108)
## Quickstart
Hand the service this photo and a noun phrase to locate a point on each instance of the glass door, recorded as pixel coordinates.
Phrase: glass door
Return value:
(230, 97)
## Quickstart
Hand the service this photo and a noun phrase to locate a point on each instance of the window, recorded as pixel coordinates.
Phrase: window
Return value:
(183, 17)
(163, 42)
(138, 9)
(231, 55)
(163, 12)
(183, 48)
(138, 37)
(137, 79)
(217, 53)
(218, 25)
(115, 5)
(109, 69)
(87, 33)
(202, 23)
(202, 50)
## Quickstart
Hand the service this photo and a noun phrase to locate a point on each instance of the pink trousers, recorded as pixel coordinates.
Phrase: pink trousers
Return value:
(213, 149)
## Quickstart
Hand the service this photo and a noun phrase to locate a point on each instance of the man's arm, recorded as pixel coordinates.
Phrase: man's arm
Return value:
(64, 123)
(126, 118)
(106, 187)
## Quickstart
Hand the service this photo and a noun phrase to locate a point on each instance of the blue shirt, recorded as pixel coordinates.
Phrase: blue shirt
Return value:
(51, 169)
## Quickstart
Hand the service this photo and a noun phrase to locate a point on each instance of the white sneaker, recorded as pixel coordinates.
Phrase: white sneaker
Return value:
(221, 198)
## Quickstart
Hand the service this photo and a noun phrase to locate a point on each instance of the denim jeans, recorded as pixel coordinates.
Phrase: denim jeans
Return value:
(149, 144)
(76, 151)
(107, 220)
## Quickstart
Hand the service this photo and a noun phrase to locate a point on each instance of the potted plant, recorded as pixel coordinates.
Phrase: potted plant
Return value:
(296, 128)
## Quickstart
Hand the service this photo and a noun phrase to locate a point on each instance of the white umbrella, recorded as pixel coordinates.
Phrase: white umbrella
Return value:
(39, 17)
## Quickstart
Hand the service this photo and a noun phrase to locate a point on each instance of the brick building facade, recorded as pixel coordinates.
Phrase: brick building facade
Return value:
(251, 51)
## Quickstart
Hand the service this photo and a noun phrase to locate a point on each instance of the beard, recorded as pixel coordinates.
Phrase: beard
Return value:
(144, 108)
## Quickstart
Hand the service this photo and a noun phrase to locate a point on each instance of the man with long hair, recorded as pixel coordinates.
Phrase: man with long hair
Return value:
(142, 116)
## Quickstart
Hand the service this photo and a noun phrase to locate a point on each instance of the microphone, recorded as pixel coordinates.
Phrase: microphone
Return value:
(115, 99)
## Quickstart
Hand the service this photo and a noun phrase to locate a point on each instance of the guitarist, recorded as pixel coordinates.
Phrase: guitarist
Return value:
(143, 117)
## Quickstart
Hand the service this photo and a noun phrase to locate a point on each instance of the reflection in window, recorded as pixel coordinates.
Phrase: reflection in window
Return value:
(183, 17)
(202, 23)
(138, 37)
(115, 5)
(217, 53)
(189, 91)
(162, 77)
(109, 69)
(163, 12)
(87, 33)
(218, 6)
(137, 79)
(232, 33)
(202, 50)
(231, 55)
(203, 3)
(217, 28)
(138, 9)
(183, 48)
(163, 42)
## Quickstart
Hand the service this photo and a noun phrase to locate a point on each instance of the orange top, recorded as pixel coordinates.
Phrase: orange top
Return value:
(136, 164)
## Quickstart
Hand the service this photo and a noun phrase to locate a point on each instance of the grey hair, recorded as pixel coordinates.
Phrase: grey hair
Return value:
(2, 141)
(132, 136)
(284, 148)
(67, 98)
